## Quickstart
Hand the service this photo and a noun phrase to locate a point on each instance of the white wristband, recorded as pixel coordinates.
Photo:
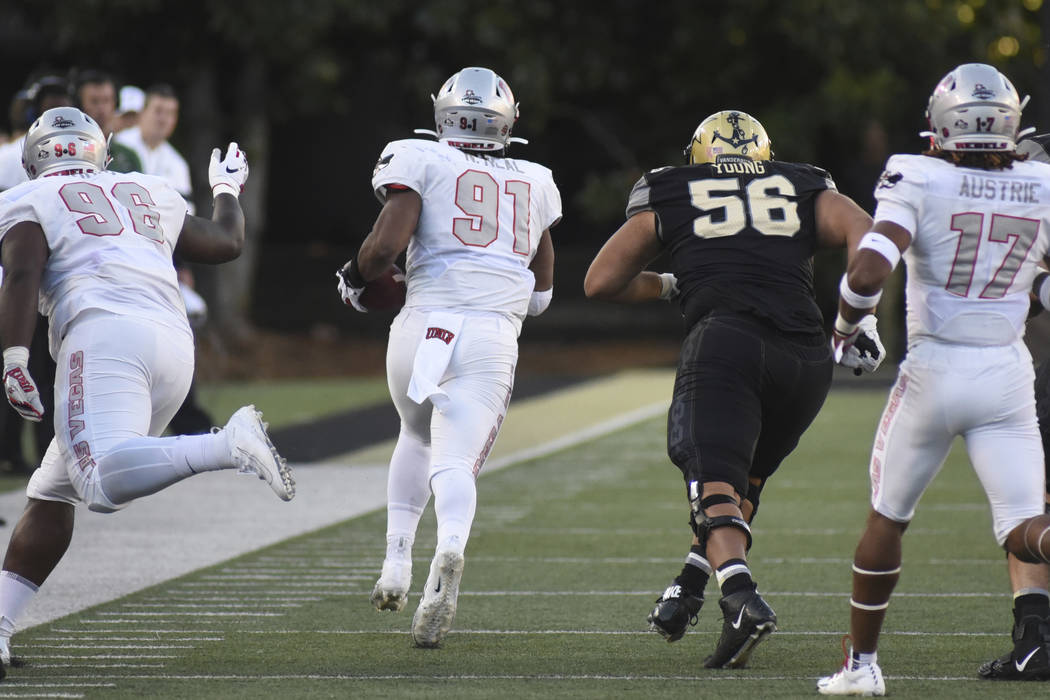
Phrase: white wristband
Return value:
(857, 301)
(668, 285)
(873, 240)
(539, 301)
(844, 327)
(224, 188)
(16, 355)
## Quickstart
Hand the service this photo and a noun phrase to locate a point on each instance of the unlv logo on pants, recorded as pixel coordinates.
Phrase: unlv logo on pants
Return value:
(441, 334)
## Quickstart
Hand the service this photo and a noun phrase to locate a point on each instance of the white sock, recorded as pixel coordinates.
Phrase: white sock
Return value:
(15, 595)
(858, 659)
(455, 501)
(145, 465)
(407, 490)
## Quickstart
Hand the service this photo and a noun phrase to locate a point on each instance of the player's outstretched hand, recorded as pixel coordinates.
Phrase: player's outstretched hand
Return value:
(22, 392)
(227, 175)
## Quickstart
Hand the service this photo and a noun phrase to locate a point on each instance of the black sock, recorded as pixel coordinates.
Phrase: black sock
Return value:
(695, 573)
(1031, 604)
(734, 575)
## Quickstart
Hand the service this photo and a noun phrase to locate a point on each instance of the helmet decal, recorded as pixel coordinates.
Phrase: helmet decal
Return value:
(737, 139)
(61, 122)
(475, 110)
(728, 133)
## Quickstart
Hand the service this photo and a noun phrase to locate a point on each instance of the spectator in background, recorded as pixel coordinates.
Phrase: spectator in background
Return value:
(132, 99)
(149, 139)
(41, 95)
(97, 95)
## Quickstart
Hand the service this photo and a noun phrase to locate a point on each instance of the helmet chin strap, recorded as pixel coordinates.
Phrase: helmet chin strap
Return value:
(426, 132)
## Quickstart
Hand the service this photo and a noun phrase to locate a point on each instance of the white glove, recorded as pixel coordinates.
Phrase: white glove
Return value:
(21, 390)
(668, 286)
(228, 175)
(351, 295)
(861, 349)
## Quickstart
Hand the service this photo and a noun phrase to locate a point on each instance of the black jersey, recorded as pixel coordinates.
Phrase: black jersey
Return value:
(741, 235)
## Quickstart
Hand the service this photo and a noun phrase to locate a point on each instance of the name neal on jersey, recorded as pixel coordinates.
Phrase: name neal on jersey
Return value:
(1003, 190)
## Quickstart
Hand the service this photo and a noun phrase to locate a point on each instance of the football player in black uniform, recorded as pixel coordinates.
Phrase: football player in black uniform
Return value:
(1029, 659)
(756, 365)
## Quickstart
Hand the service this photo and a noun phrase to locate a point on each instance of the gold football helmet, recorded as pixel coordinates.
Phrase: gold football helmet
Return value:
(729, 132)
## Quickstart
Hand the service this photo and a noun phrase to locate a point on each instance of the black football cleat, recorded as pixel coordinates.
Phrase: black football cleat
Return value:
(748, 620)
(675, 611)
(1030, 658)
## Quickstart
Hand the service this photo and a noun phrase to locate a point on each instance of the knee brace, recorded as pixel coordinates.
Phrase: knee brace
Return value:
(703, 524)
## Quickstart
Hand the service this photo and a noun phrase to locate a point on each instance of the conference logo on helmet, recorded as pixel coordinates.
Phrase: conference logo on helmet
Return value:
(61, 122)
(983, 93)
(471, 98)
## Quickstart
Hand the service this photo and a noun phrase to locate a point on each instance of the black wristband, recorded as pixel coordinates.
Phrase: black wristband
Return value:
(352, 275)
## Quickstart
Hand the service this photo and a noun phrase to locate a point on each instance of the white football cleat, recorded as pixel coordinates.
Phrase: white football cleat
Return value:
(864, 680)
(391, 590)
(254, 453)
(437, 608)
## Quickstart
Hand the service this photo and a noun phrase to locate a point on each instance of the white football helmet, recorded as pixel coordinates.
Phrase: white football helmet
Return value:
(475, 109)
(975, 108)
(64, 138)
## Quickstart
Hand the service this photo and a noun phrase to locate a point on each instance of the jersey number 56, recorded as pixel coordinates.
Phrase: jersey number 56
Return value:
(764, 203)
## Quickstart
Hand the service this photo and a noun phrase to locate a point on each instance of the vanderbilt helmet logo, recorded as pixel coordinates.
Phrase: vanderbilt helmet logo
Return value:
(737, 139)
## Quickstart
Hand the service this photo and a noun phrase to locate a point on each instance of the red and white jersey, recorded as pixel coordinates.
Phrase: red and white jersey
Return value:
(111, 237)
(481, 223)
(977, 236)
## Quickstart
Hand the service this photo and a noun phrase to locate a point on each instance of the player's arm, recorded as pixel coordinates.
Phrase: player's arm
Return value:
(221, 238)
(391, 233)
(216, 240)
(618, 272)
(1039, 294)
(878, 253)
(841, 223)
(23, 254)
(542, 267)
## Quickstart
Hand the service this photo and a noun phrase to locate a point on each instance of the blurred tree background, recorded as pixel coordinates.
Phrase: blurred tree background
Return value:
(314, 89)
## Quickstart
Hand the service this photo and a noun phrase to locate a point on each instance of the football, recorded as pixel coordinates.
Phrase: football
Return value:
(386, 292)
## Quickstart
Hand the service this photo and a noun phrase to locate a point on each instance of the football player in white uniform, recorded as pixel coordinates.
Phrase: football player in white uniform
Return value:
(93, 250)
(476, 224)
(972, 220)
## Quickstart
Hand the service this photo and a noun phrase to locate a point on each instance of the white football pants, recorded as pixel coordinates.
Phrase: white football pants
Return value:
(457, 437)
(983, 394)
(118, 379)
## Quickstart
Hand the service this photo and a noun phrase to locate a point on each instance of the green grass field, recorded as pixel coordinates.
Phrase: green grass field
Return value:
(567, 554)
